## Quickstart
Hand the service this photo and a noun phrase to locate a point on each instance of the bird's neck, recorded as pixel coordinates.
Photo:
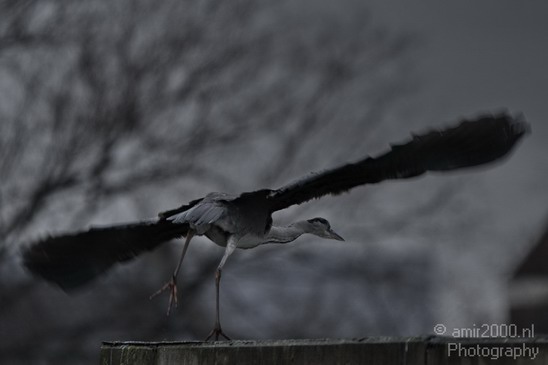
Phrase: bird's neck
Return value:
(284, 234)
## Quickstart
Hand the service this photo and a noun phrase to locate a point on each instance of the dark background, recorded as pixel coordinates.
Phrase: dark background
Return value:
(113, 111)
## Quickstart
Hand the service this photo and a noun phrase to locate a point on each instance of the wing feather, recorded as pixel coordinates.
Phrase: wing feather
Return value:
(471, 143)
(72, 260)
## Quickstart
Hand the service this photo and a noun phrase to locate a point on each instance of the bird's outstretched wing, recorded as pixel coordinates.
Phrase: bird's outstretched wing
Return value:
(471, 143)
(73, 260)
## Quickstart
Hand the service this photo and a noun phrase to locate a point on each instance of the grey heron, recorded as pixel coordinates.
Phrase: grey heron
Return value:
(245, 220)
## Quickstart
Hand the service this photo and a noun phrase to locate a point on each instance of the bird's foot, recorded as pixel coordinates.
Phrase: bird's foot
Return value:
(216, 332)
(171, 285)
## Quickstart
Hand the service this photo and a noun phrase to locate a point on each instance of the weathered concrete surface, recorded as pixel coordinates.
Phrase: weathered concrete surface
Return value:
(376, 350)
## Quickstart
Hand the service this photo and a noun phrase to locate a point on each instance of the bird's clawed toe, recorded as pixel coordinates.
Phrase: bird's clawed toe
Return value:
(171, 285)
(215, 333)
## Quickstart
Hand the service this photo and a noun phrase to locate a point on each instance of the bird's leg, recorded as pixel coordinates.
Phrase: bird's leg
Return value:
(171, 285)
(217, 331)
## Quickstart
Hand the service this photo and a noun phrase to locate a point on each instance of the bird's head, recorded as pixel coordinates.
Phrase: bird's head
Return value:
(320, 227)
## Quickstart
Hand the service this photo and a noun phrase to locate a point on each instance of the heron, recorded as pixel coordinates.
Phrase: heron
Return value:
(245, 220)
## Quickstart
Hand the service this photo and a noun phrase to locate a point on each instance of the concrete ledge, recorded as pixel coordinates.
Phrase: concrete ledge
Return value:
(375, 350)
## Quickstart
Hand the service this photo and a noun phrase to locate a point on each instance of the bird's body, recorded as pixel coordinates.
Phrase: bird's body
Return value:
(245, 220)
(217, 216)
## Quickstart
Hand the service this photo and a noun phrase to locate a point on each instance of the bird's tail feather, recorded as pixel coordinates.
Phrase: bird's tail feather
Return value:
(72, 260)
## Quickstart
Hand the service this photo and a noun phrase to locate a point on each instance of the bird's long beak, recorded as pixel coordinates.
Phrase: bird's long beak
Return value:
(334, 236)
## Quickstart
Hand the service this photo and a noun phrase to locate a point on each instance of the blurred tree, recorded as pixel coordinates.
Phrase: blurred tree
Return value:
(109, 105)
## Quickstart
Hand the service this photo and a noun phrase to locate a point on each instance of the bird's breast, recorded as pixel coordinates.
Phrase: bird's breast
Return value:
(250, 241)
(220, 237)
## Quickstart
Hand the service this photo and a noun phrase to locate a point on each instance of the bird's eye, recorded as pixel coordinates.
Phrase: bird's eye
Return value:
(321, 222)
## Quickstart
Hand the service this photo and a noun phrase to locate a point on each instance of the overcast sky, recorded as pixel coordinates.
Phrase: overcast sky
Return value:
(484, 55)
